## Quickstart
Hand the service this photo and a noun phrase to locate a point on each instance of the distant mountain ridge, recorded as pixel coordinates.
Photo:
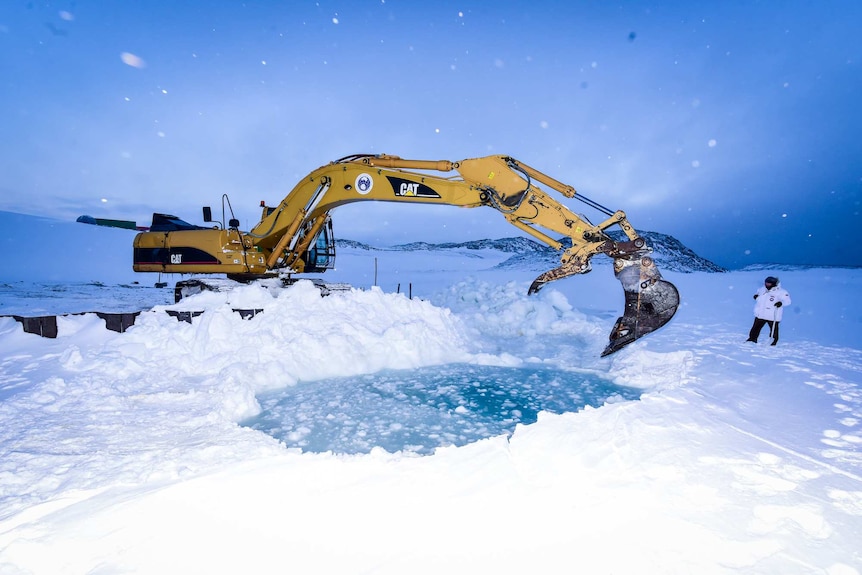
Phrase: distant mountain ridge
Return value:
(515, 245)
(668, 252)
(793, 267)
(506, 245)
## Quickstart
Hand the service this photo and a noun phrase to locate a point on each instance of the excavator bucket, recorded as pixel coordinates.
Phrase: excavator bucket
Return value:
(650, 301)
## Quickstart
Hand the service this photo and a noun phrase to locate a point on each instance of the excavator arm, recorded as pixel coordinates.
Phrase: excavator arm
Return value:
(287, 237)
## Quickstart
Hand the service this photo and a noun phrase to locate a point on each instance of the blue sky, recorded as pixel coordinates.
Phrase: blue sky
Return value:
(733, 126)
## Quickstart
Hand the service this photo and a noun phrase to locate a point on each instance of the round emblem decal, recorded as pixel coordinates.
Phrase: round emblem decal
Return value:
(364, 183)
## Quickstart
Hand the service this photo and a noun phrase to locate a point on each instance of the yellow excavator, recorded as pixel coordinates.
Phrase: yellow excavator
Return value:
(296, 237)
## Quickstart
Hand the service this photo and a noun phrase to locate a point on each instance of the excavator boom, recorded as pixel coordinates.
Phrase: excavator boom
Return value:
(295, 236)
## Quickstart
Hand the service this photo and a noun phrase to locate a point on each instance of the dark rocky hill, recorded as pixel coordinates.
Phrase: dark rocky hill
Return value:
(669, 252)
(517, 245)
(672, 254)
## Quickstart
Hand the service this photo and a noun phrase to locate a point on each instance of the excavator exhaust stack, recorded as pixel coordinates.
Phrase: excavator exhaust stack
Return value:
(650, 302)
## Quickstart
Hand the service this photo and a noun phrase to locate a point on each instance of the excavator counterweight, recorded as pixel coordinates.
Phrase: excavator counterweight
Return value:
(295, 236)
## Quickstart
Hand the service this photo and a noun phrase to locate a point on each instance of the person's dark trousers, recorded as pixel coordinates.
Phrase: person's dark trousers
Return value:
(758, 326)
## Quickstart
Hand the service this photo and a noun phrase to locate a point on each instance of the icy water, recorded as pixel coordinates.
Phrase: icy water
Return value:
(420, 410)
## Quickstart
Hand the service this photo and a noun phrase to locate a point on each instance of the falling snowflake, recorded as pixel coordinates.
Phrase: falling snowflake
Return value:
(132, 60)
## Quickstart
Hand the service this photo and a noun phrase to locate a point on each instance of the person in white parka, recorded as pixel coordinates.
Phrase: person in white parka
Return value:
(769, 302)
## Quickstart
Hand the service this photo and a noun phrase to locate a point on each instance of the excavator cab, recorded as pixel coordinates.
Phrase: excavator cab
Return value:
(321, 252)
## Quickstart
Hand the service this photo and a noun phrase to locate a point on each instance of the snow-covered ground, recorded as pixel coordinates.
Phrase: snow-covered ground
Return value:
(124, 453)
